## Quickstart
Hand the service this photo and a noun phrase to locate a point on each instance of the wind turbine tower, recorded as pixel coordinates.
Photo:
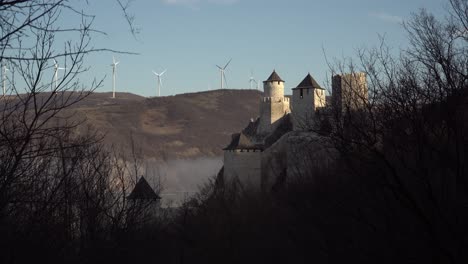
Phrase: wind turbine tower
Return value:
(159, 75)
(114, 67)
(56, 69)
(223, 76)
(252, 81)
(4, 70)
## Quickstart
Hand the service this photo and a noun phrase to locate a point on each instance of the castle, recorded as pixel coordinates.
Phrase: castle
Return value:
(244, 156)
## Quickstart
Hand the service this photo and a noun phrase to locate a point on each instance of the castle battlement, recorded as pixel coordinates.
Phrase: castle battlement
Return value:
(275, 99)
(352, 75)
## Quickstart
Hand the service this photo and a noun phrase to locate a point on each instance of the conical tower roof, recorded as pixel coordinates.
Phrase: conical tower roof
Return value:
(274, 77)
(309, 82)
(143, 191)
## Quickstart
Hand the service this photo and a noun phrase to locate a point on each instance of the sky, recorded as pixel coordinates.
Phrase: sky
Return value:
(189, 37)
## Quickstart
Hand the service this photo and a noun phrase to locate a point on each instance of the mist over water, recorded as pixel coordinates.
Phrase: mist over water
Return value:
(181, 178)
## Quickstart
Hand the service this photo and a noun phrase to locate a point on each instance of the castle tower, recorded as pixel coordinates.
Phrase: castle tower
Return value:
(349, 91)
(273, 105)
(307, 98)
(273, 86)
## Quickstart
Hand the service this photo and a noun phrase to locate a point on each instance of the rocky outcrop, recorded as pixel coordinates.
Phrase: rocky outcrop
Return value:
(296, 155)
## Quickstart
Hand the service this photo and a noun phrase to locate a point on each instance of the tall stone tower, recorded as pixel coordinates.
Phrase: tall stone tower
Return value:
(307, 98)
(349, 91)
(273, 105)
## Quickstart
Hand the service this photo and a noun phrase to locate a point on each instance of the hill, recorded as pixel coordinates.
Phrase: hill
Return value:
(179, 138)
(183, 126)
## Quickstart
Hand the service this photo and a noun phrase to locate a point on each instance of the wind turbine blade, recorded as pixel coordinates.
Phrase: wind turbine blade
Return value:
(227, 64)
(155, 73)
(113, 60)
(219, 67)
(163, 72)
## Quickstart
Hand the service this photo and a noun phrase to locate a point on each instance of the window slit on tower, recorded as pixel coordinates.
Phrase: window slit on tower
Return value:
(302, 93)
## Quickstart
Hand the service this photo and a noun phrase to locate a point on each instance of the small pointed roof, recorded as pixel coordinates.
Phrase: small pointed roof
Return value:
(242, 141)
(143, 191)
(309, 82)
(274, 77)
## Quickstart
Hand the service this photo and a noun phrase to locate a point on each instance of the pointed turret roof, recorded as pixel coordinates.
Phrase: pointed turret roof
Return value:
(143, 191)
(309, 82)
(274, 77)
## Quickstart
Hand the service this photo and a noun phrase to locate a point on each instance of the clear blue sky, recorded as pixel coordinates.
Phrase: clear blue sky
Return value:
(189, 37)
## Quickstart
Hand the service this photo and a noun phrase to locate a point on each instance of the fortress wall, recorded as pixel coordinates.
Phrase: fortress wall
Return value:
(274, 164)
(271, 110)
(349, 90)
(287, 105)
(320, 98)
(278, 109)
(243, 166)
(303, 109)
(275, 99)
(264, 125)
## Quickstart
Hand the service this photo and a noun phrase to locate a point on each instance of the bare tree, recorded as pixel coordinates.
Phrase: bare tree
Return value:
(411, 130)
(57, 182)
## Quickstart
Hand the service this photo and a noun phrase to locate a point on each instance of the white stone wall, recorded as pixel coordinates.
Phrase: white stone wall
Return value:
(279, 107)
(271, 110)
(320, 98)
(303, 110)
(273, 89)
(349, 90)
(244, 167)
(304, 105)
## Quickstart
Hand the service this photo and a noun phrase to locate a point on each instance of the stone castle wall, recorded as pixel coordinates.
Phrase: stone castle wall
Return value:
(271, 110)
(303, 110)
(304, 103)
(320, 99)
(349, 91)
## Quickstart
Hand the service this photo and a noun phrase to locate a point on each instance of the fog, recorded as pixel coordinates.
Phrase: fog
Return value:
(181, 178)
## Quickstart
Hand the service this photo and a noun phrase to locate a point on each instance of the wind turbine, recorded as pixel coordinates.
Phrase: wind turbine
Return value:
(56, 69)
(114, 67)
(4, 70)
(159, 75)
(223, 76)
(252, 80)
